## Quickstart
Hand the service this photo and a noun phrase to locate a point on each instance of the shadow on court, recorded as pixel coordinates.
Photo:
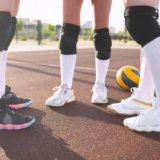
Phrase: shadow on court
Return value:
(79, 130)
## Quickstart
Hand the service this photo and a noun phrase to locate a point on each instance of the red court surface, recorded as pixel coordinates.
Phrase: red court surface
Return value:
(79, 130)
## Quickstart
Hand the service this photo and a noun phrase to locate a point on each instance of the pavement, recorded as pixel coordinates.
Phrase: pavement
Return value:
(33, 46)
(78, 130)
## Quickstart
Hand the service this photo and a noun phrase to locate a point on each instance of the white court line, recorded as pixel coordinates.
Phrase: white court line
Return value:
(58, 66)
(77, 67)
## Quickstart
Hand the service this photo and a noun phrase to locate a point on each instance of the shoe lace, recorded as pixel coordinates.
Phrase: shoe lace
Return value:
(8, 91)
(100, 88)
(60, 91)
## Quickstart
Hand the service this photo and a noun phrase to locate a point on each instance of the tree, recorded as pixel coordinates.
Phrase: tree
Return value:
(19, 29)
(39, 32)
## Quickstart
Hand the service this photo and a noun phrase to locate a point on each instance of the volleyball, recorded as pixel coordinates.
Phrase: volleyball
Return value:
(128, 77)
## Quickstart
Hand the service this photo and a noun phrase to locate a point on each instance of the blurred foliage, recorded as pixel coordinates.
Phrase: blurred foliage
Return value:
(38, 31)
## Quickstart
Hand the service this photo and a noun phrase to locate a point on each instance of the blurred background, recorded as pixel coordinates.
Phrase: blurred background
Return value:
(39, 21)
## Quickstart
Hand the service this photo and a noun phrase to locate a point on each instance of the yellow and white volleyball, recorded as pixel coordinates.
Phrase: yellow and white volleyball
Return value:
(128, 77)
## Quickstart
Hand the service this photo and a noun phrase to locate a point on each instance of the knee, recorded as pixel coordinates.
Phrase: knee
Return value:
(102, 42)
(68, 38)
(141, 22)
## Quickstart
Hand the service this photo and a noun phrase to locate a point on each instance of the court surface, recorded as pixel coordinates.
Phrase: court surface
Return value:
(79, 130)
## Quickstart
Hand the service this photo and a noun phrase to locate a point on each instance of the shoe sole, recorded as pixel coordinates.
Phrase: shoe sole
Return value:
(142, 129)
(18, 126)
(99, 102)
(19, 106)
(56, 106)
(111, 111)
(114, 112)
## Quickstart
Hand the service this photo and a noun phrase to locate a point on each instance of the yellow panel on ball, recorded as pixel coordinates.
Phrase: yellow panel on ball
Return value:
(128, 77)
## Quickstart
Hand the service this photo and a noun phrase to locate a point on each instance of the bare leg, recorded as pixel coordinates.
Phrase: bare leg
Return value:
(71, 11)
(101, 13)
(153, 3)
(15, 8)
(6, 5)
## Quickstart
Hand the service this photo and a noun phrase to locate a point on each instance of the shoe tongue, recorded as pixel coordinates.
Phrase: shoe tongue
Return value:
(99, 86)
(64, 86)
(8, 89)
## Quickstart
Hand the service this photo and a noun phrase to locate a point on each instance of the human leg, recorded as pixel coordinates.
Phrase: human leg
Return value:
(8, 118)
(147, 121)
(141, 98)
(102, 42)
(11, 99)
(5, 22)
(68, 53)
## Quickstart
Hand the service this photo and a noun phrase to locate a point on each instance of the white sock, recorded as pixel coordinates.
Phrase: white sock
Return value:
(152, 51)
(146, 84)
(67, 66)
(3, 61)
(101, 69)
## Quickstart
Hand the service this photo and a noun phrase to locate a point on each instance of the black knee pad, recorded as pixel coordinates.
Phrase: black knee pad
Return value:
(141, 22)
(103, 43)
(69, 38)
(5, 22)
(12, 32)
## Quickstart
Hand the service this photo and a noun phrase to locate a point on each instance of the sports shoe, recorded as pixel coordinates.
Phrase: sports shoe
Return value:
(148, 121)
(62, 95)
(129, 106)
(15, 102)
(99, 93)
(13, 121)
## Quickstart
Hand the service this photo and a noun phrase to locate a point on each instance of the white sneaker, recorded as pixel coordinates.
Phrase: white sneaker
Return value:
(129, 106)
(99, 93)
(148, 121)
(62, 95)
